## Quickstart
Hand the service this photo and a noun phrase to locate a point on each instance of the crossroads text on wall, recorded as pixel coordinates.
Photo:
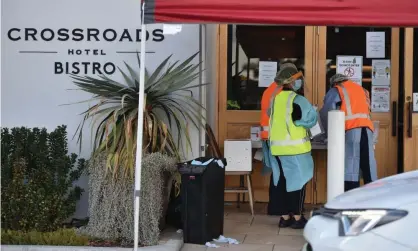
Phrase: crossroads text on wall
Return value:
(79, 36)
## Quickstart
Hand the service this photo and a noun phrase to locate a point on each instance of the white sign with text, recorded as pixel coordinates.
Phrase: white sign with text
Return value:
(380, 99)
(381, 72)
(267, 73)
(375, 43)
(352, 67)
(415, 102)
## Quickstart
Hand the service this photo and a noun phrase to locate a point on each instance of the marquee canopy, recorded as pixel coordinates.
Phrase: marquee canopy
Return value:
(285, 12)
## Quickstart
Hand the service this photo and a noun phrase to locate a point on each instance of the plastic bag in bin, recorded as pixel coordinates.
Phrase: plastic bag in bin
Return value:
(199, 165)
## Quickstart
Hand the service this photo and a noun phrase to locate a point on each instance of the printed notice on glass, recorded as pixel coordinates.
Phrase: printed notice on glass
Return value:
(375, 44)
(381, 72)
(415, 102)
(267, 72)
(380, 98)
(351, 66)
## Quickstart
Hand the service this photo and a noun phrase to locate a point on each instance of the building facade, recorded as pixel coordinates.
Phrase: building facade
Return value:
(43, 41)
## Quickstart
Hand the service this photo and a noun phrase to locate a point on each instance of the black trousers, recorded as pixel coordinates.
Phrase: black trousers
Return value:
(364, 163)
(282, 202)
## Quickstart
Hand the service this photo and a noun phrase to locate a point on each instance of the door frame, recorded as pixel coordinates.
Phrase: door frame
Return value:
(225, 115)
(246, 117)
(386, 125)
(410, 144)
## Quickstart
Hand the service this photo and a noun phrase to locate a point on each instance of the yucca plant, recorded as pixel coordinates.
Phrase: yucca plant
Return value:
(169, 109)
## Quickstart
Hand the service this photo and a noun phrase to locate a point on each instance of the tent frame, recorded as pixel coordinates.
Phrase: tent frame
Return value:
(140, 129)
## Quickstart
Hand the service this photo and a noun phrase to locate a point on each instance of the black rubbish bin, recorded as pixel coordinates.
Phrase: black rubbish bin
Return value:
(202, 193)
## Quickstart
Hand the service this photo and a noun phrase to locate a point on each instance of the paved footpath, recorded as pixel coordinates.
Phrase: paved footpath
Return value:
(260, 233)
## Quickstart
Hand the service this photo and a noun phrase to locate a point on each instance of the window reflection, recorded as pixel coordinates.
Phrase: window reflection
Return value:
(247, 46)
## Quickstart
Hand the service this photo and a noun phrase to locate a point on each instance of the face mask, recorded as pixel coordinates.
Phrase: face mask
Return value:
(297, 85)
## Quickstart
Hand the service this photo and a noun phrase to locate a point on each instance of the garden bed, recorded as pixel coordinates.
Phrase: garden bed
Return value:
(69, 240)
(61, 237)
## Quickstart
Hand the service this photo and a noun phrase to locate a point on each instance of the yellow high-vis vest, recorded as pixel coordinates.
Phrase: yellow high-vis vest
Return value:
(285, 137)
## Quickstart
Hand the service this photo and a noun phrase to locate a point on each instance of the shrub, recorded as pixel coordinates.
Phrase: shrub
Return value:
(111, 200)
(37, 178)
(61, 237)
(170, 111)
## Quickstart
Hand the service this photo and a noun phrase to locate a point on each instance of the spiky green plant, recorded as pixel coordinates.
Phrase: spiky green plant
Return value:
(169, 109)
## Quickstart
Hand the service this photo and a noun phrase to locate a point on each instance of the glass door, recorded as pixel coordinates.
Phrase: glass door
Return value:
(410, 158)
(241, 49)
(383, 44)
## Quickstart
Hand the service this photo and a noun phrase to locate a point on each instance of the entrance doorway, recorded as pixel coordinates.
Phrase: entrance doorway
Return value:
(314, 50)
(240, 89)
(410, 141)
(352, 41)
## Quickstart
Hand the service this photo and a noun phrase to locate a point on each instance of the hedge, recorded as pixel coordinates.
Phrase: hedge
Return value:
(37, 176)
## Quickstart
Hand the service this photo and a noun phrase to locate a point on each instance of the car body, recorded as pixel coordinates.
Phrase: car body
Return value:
(382, 215)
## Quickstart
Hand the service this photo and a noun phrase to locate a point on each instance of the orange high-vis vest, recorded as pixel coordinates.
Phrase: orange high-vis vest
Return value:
(266, 101)
(356, 105)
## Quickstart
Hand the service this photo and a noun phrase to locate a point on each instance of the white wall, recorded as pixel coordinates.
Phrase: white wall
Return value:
(32, 93)
(211, 64)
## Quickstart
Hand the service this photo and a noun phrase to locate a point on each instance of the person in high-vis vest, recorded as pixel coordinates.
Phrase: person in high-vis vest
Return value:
(266, 101)
(354, 100)
(270, 164)
(291, 116)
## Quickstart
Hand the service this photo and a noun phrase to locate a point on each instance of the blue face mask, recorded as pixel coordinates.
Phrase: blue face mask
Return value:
(297, 85)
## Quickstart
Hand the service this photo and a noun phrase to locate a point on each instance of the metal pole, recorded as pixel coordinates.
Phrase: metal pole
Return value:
(138, 162)
(202, 89)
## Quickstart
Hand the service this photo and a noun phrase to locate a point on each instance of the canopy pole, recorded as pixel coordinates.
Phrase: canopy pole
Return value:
(138, 162)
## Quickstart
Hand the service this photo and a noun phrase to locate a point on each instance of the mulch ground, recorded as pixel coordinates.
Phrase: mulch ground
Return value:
(104, 243)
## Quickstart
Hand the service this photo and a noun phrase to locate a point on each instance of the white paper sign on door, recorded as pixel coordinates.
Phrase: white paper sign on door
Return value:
(380, 99)
(267, 73)
(375, 43)
(415, 100)
(351, 66)
(381, 72)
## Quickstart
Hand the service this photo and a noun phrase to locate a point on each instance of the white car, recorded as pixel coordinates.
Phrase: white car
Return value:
(380, 216)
